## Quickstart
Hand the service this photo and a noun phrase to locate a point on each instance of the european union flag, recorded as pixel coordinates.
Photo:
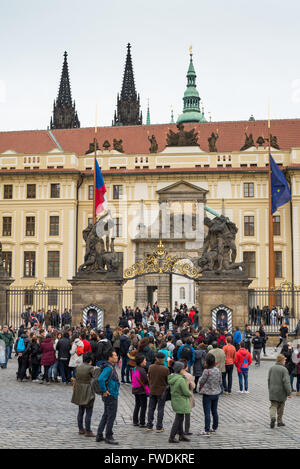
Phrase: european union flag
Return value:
(280, 191)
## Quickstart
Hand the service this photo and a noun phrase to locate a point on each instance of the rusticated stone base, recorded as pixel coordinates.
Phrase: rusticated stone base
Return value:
(230, 292)
(106, 294)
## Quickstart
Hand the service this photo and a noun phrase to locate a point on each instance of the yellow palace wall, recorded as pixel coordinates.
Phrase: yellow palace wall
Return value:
(70, 171)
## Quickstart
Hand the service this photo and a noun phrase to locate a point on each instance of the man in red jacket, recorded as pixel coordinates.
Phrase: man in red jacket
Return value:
(86, 345)
(242, 361)
(191, 314)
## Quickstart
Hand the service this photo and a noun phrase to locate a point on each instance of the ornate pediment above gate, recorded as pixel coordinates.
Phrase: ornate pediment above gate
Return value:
(160, 262)
(182, 191)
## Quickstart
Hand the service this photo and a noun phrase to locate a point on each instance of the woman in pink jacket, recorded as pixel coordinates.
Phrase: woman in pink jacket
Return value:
(140, 390)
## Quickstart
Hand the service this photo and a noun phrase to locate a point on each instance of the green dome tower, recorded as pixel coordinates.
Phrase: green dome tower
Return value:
(191, 99)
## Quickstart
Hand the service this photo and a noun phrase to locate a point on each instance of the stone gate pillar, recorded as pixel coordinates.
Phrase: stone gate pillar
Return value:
(106, 294)
(104, 290)
(231, 291)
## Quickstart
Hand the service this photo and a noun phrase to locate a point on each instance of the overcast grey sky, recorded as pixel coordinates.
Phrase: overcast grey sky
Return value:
(243, 53)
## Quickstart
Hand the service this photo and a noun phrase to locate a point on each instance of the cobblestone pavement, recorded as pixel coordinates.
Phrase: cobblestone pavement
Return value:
(40, 416)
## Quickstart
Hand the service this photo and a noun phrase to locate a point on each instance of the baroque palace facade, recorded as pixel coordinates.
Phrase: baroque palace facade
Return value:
(46, 189)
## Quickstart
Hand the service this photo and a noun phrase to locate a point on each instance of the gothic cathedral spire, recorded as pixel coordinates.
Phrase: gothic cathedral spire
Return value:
(64, 113)
(128, 104)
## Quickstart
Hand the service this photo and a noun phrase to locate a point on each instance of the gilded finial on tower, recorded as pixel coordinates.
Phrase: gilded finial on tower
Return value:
(191, 50)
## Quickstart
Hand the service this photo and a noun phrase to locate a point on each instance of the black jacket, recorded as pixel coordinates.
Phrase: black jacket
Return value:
(63, 347)
(138, 317)
(102, 348)
(94, 347)
(35, 353)
(257, 343)
(124, 345)
(149, 354)
(123, 322)
(109, 333)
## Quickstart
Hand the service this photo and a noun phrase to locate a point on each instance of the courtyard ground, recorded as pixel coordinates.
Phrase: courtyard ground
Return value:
(39, 416)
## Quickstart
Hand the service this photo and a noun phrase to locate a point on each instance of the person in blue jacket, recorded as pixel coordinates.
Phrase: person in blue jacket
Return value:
(237, 338)
(109, 386)
(187, 352)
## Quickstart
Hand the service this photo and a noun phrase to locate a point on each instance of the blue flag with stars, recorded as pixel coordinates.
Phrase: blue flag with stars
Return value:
(280, 191)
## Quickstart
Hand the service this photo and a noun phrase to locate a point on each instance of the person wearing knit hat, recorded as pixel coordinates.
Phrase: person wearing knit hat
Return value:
(178, 366)
(180, 401)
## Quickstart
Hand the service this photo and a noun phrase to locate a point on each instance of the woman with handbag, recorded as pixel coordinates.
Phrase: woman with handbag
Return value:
(140, 390)
(210, 387)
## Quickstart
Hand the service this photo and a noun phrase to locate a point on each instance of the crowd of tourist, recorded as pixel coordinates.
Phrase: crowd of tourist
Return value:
(161, 355)
(269, 316)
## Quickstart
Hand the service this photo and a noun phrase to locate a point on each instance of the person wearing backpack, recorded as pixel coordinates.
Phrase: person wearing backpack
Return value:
(242, 362)
(22, 347)
(109, 387)
(76, 355)
(83, 395)
(187, 352)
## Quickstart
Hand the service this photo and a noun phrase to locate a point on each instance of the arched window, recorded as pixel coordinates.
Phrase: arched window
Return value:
(182, 293)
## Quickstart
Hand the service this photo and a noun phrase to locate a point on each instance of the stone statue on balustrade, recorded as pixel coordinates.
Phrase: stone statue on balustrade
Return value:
(219, 249)
(182, 138)
(3, 272)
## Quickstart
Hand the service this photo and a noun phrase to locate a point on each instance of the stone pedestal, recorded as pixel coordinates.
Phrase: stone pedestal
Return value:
(231, 292)
(5, 282)
(103, 290)
(106, 294)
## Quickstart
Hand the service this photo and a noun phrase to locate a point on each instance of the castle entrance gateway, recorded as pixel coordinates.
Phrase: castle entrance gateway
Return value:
(161, 263)
(197, 249)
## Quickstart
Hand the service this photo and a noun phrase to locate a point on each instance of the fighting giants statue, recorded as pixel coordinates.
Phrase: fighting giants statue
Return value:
(219, 250)
(99, 258)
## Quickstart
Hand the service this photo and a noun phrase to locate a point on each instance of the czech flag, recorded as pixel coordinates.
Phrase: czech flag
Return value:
(101, 203)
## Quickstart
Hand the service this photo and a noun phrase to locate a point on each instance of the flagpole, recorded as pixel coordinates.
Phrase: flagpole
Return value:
(95, 154)
(271, 238)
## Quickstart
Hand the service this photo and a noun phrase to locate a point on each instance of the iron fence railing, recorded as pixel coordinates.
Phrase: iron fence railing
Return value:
(19, 300)
(273, 308)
